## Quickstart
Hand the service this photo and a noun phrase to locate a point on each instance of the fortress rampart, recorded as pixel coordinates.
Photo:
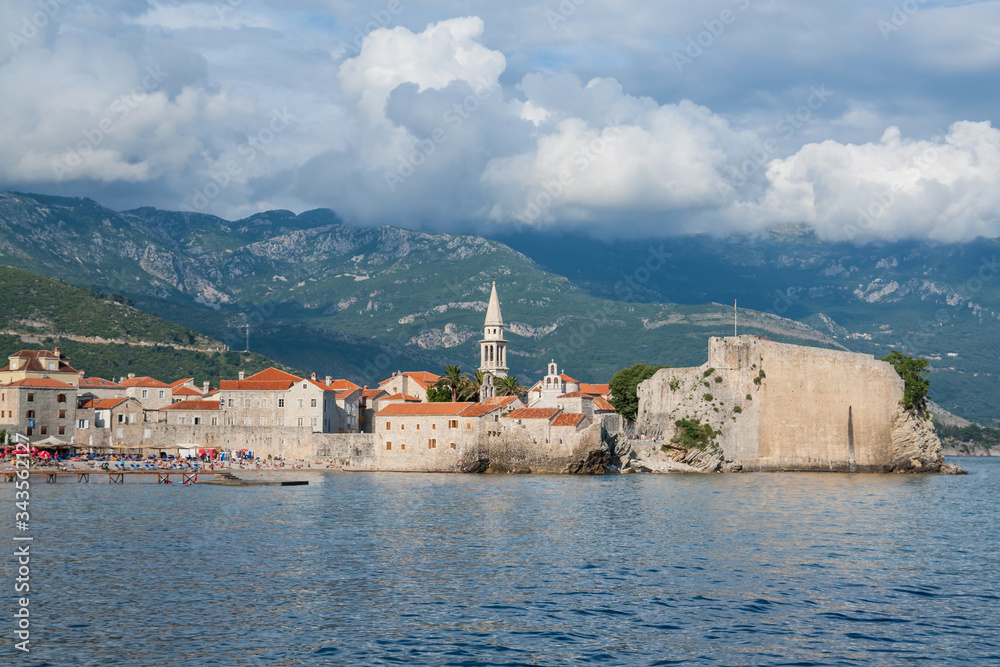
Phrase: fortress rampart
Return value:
(776, 406)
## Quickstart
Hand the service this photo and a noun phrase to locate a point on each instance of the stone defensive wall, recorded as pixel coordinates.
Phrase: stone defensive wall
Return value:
(776, 406)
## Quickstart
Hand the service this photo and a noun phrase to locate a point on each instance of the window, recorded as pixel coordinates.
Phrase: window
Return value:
(402, 427)
(281, 421)
(247, 403)
(61, 398)
(263, 402)
(388, 445)
(388, 426)
(215, 421)
(163, 394)
(434, 427)
(403, 446)
(453, 445)
(432, 444)
(468, 426)
(82, 424)
(263, 421)
(44, 430)
(312, 403)
(230, 402)
(181, 420)
(132, 418)
(313, 422)
(452, 423)
(28, 431)
(62, 414)
(197, 421)
(246, 421)
(31, 398)
(418, 427)
(300, 421)
(145, 393)
(231, 421)
(300, 402)
(281, 402)
(121, 418)
(30, 414)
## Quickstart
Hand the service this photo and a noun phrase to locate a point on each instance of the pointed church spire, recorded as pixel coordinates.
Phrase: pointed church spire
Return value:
(493, 318)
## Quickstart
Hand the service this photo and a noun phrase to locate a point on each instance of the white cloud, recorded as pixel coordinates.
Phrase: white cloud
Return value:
(945, 189)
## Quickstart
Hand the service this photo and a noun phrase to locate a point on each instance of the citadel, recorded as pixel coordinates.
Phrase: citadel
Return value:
(759, 405)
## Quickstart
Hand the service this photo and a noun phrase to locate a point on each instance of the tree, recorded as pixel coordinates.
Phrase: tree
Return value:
(452, 380)
(473, 383)
(511, 386)
(624, 384)
(438, 395)
(915, 384)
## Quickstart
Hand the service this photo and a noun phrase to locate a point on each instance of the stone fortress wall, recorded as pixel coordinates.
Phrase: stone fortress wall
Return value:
(778, 406)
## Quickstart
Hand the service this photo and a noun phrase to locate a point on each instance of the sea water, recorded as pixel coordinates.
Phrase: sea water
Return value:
(384, 568)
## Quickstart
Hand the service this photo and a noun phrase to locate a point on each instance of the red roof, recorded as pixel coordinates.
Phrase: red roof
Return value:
(601, 403)
(421, 409)
(566, 378)
(533, 413)
(181, 381)
(400, 397)
(480, 409)
(33, 364)
(185, 391)
(423, 378)
(502, 401)
(599, 389)
(41, 383)
(273, 374)
(568, 419)
(255, 385)
(99, 383)
(193, 405)
(104, 403)
(576, 394)
(372, 393)
(144, 382)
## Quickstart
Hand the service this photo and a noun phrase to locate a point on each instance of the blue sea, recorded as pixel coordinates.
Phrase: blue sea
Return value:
(422, 569)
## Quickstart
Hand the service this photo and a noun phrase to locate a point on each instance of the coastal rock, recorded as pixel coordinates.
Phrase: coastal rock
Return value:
(915, 445)
(596, 463)
(476, 467)
(951, 469)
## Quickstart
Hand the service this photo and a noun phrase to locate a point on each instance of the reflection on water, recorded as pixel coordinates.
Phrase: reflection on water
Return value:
(431, 569)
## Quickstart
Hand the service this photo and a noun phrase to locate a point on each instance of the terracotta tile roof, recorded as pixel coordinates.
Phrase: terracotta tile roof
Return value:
(568, 419)
(273, 374)
(193, 405)
(533, 413)
(185, 391)
(144, 382)
(423, 378)
(601, 403)
(480, 409)
(321, 386)
(344, 394)
(177, 383)
(33, 364)
(502, 401)
(420, 409)
(400, 397)
(537, 389)
(566, 378)
(255, 385)
(599, 389)
(341, 385)
(41, 383)
(575, 394)
(99, 383)
(104, 403)
(372, 393)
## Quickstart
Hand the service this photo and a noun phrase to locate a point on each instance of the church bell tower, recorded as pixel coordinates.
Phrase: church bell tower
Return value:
(493, 347)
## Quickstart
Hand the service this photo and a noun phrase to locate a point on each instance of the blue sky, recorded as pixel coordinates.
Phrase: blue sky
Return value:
(867, 120)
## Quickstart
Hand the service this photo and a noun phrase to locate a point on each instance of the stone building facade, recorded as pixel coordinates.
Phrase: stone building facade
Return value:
(38, 408)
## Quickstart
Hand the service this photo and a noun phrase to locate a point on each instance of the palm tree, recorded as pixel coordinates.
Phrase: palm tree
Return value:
(511, 386)
(452, 380)
(473, 383)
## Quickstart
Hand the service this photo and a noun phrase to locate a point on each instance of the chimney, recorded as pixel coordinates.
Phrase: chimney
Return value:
(58, 354)
(312, 376)
(242, 374)
(329, 380)
(205, 387)
(131, 376)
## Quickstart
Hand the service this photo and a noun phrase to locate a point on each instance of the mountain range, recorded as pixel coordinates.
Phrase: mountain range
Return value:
(318, 294)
